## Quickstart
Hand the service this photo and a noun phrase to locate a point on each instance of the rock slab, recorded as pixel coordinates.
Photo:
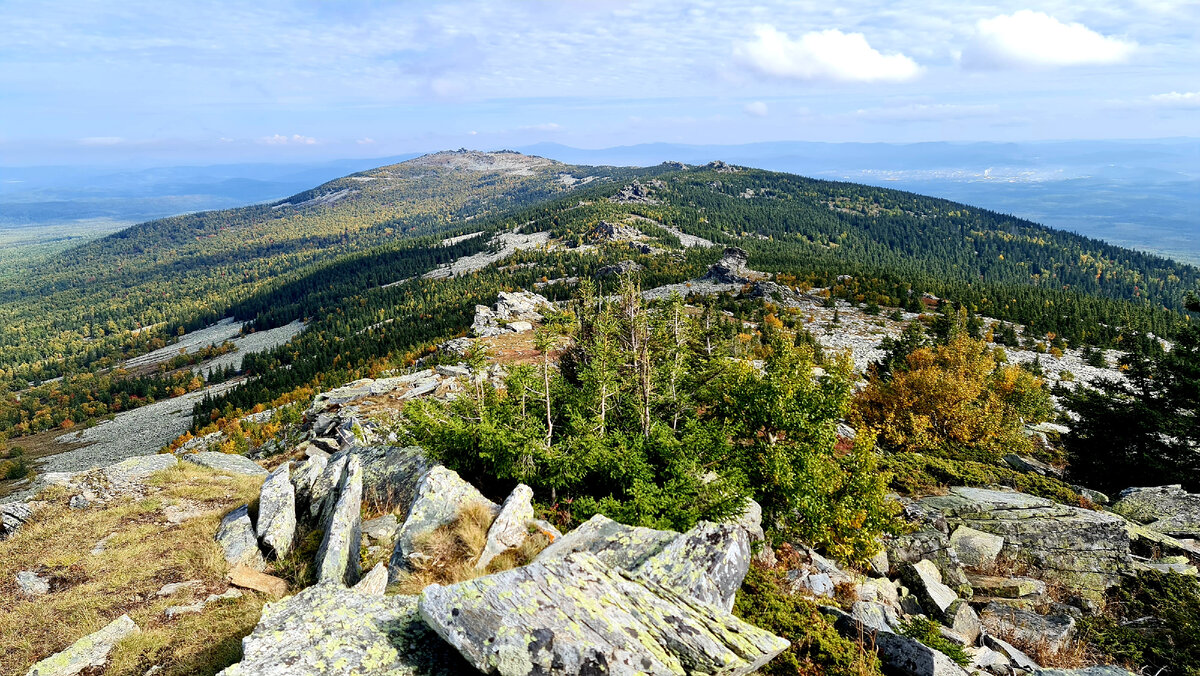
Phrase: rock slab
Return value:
(577, 615)
(511, 526)
(89, 652)
(440, 495)
(238, 541)
(277, 512)
(226, 462)
(338, 557)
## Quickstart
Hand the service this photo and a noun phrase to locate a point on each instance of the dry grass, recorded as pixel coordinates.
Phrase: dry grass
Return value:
(143, 553)
(454, 548)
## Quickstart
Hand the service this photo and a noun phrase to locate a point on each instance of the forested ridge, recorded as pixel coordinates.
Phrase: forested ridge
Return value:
(329, 254)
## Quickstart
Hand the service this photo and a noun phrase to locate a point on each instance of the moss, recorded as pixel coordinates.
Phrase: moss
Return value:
(916, 473)
(817, 647)
(926, 631)
(1153, 624)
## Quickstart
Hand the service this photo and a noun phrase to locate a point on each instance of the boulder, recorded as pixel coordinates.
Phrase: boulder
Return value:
(1018, 659)
(707, 563)
(875, 616)
(962, 619)
(176, 587)
(1026, 628)
(327, 630)
(615, 544)
(304, 477)
(1007, 587)
(511, 527)
(238, 541)
(89, 652)
(248, 578)
(276, 525)
(375, 582)
(440, 495)
(323, 494)
(574, 614)
(991, 661)
(338, 557)
(974, 548)
(925, 581)
(1166, 509)
(31, 584)
(899, 654)
(1084, 550)
(13, 515)
(1024, 463)
(78, 502)
(226, 462)
(382, 529)
(619, 269)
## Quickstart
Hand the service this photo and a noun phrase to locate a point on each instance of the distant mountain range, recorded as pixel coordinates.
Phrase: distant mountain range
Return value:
(1140, 194)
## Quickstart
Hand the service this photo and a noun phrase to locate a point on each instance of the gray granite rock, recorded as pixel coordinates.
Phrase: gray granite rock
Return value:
(1018, 659)
(929, 545)
(615, 544)
(440, 496)
(1007, 587)
(511, 525)
(391, 474)
(327, 630)
(31, 584)
(1086, 671)
(338, 557)
(374, 583)
(303, 479)
(382, 529)
(226, 462)
(925, 582)
(975, 548)
(13, 515)
(89, 652)
(78, 502)
(323, 494)
(276, 525)
(238, 540)
(139, 468)
(1167, 509)
(574, 615)
(707, 563)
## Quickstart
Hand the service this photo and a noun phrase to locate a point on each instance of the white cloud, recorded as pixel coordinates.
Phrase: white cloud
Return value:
(365, 141)
(545, 126)
(1031, 39)
(822, 55)
(756, 108)
(922, 112)
(101, 141)
(294, 139)
(1177, 99)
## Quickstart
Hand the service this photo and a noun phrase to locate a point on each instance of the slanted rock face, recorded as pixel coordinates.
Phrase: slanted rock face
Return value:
(238, 540)
(306, 476)
(615, 544)
(338, 557)
(391, 473)
(576, 615)
(89, 652)
(332, 631)
(440, 495)
(925, 580)
(277, 511)
(13, 515)
(226, 462)
(1166, 509)
(324, 487)
(511, 526)
(1082, 549)
(1027, 628)
(707, 563)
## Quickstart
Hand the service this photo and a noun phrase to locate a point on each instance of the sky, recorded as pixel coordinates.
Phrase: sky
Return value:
(98, 81)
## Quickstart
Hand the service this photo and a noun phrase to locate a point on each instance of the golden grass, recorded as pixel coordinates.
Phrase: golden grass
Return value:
(454, 548)
(143, 553)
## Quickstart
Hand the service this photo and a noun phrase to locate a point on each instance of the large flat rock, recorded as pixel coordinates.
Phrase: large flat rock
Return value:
(89, 652)
(327, 630)
(575, 615)
(1169, 510)
(226, 462)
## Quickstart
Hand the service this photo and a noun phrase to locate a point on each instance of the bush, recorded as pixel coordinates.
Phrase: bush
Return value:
(817, 648)
(1154, 625)
(926, 631)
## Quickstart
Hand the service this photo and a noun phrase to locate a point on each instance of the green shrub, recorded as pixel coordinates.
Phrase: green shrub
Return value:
(817, 648)
(915, 473)
(1153, 625)
(926, 631)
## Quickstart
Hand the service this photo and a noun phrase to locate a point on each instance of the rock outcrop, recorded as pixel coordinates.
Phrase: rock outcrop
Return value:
(575, 615)
(615, 544)
(276, 525)
(226, 462)
(512, 313)
(1084, 550)
(13, 515)
(1169, 510)
(338, 557)
(732, 268)
(707, 564)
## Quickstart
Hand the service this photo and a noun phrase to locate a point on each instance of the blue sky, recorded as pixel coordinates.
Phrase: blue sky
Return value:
(93, 81)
